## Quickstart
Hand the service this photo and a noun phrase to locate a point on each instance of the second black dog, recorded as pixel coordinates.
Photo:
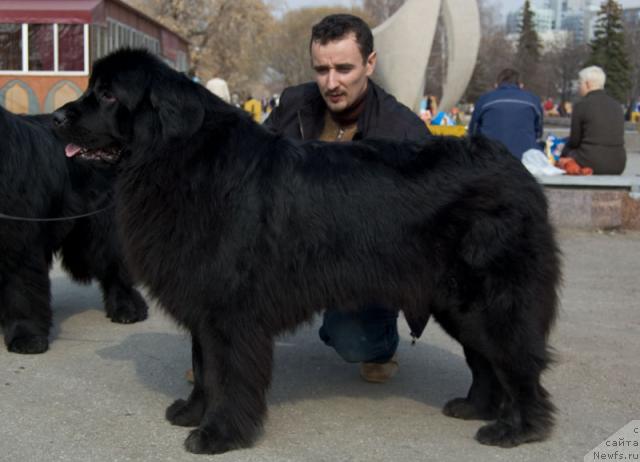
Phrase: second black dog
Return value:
(37, 181)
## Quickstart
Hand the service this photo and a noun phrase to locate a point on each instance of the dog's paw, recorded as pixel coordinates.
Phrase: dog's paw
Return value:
(128, 313)
(184, 414)
(29, 344)
(200, 441)
(462, 408)
(124, 316)
(126, 308)
(506, 436)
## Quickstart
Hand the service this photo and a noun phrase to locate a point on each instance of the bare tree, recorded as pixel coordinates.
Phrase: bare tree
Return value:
(495, 53)
(632, 39)
(379, 10)
(226, 36)
(563, 60)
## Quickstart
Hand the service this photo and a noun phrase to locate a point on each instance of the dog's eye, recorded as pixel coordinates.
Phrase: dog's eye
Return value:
(108, 97)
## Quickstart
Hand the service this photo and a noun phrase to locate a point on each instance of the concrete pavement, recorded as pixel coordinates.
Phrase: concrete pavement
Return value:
(100, 393)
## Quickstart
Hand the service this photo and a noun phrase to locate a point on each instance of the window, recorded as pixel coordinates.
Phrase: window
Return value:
(119, 35)
(70, 47)
(10, 47)
(41, 47)
(99, 44)
(115, 35)
(181, 61)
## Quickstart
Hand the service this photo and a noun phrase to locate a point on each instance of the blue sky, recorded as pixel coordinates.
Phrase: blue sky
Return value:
(508, 5)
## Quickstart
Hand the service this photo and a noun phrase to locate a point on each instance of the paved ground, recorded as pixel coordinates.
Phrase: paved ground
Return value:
(99, 394)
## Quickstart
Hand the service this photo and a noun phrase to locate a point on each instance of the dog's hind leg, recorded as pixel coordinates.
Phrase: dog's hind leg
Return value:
(506, 350)
(485, 395)
(235, 376)
(188, 413)
(526, 413)
(25, 307)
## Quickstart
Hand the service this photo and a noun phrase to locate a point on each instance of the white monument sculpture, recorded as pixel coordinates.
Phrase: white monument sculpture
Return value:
(404, 44)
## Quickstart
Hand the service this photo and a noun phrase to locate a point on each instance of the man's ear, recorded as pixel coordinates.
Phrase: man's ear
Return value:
(178, 106)
(372, 59)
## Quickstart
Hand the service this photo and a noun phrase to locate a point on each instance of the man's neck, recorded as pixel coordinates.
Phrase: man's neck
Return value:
(349, 116)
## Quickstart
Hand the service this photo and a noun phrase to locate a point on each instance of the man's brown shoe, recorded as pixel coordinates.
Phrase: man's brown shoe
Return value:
(379, 372)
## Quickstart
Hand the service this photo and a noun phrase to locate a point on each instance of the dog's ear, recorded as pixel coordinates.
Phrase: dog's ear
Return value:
(127, 87)
(178, 105)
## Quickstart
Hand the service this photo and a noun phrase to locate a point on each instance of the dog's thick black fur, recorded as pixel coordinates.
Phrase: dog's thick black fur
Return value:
(241, 235)
(37, 181)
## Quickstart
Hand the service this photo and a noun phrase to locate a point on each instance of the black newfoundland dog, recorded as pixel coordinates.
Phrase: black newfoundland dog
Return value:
(241, 235)
(37, 182)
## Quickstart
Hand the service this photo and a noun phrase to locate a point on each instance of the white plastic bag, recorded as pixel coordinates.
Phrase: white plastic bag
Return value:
(537, 163)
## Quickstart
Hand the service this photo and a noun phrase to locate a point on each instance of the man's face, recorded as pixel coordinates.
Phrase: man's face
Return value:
(340, 72)
(583, 88)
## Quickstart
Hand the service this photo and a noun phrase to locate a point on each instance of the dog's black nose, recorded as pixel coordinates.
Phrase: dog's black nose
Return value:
(59, 118)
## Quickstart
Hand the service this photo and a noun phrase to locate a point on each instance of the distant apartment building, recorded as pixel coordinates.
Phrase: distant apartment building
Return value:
(631, 14)
(542, 19)
(575, 17)
(581, 24)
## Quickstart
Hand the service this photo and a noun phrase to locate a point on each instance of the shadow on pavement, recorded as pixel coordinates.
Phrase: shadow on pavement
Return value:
(305, 369)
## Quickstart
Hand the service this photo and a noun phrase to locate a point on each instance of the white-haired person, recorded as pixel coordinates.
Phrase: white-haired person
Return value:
(219, 87)
(597, 127)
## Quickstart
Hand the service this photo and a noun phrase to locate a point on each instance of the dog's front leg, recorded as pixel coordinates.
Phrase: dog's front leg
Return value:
(235, 376)
(189, 413)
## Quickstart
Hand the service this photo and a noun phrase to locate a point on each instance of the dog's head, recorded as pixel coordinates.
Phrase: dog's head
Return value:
(132, 98)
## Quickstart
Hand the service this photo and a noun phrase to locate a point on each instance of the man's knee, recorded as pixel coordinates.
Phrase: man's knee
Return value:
(363, 336)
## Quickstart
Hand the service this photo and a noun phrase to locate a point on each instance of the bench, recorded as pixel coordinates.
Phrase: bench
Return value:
(593, 202)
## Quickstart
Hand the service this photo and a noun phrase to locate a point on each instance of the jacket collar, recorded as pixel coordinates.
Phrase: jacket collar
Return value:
(311, 114)
(508, 86)
(599, 91)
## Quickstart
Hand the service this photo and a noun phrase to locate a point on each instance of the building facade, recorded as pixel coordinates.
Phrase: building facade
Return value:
(543, 20)
(47, 47)
(576, 17)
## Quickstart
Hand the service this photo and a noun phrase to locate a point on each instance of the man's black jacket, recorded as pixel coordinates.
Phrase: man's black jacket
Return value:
(300, 115)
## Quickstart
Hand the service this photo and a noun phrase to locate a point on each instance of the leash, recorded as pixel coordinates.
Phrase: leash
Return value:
(73, 217)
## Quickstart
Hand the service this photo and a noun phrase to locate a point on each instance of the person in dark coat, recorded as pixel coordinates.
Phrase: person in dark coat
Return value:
(344, 104)
(509, 114)
(597, 127)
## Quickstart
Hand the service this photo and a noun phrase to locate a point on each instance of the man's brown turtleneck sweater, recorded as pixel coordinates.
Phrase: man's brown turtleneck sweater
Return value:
(342, 126)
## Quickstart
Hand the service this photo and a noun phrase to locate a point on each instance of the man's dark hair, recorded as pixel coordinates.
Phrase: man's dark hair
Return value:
(508, 76)
(337, 26)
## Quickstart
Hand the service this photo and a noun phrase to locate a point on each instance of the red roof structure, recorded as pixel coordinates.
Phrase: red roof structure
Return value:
(66, 12)
(52, 11)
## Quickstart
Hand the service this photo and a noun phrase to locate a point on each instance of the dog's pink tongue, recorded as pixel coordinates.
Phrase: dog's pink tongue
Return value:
(71, 150)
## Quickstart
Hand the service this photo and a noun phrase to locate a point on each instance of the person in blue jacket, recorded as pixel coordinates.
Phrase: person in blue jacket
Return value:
(509, 114)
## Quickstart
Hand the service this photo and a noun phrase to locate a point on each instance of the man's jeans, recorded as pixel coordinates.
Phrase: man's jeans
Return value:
(367, 335)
